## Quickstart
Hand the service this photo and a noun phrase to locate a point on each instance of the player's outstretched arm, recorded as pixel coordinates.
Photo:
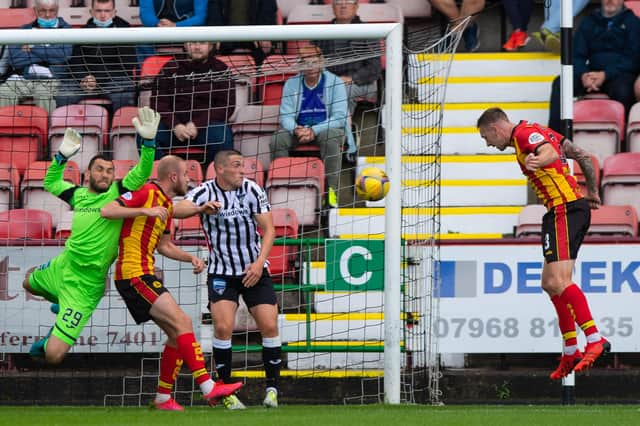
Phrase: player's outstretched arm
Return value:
(114, 210)
(187, 208)
(170, 250)
(54, 179)
(146, 124)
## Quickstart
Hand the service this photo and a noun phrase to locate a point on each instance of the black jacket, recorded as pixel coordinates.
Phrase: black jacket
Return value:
(261, 12)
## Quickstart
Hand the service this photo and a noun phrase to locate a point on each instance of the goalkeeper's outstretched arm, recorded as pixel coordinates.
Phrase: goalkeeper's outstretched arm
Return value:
(54, 179)
(146, 124)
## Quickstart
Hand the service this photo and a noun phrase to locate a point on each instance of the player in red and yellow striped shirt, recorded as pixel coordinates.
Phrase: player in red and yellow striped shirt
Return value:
(147, 215)
(542, 156)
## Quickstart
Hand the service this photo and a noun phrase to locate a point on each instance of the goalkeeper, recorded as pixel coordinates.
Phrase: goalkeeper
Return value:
(75, 279)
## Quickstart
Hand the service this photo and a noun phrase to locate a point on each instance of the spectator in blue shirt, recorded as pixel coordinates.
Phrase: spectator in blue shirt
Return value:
(173, 13)
(314, 110)
(36, 70)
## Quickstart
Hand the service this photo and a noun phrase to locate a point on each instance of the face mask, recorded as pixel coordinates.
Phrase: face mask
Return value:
(102, 24)
(47, 23)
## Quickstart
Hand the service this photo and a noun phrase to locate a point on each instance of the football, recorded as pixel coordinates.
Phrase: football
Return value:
(372, 184)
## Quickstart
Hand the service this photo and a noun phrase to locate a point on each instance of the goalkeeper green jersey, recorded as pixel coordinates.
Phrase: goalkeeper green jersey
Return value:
(93, 244)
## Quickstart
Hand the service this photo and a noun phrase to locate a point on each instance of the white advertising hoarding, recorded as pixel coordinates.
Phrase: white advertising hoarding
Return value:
(492, 302)
(25, 318)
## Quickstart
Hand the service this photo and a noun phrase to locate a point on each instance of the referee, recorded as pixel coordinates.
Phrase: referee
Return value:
(231, 209)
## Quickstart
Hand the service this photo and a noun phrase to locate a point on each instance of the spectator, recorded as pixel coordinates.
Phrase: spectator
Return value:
(36, 69)
(471, 34)
(195, 97)
(176, 13)
(360, 77)
(549, 34)
(101, 71)
(606, 57)
(248, 12)
(519, 13)
(314, 109)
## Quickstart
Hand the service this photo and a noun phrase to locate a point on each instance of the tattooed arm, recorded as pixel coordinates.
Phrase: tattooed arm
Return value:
(571, 150)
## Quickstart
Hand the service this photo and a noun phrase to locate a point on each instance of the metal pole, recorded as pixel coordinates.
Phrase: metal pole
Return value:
(393, 211)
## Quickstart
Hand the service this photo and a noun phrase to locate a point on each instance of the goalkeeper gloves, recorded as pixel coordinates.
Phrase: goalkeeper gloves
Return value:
(146, 124)
(70, 145)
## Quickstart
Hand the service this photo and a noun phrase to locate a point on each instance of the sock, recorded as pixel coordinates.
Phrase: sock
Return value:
(222, 357)
(567, 325)
(170, 365)
(272, 359)
(574, 297)
(191, 352)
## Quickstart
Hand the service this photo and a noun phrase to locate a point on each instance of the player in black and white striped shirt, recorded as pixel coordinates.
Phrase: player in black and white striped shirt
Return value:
(231, 209)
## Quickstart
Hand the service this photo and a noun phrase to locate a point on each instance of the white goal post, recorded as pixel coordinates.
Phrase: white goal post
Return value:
(392, 34)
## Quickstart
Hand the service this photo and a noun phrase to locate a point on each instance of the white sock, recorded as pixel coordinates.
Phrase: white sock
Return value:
(594, 337)
(570, 350)
(206, 387)
(162, 397)
(273, 389)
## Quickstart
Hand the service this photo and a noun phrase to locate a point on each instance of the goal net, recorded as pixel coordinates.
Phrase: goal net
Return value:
(355, 280)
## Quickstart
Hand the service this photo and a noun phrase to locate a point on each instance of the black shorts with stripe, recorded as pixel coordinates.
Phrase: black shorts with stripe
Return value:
(563, 229)
(139, 294)
(222, 287)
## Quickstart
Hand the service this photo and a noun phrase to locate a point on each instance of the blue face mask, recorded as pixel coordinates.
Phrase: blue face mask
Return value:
(47, 23)
(102, 24)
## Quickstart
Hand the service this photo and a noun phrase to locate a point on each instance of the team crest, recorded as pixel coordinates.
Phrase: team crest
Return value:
(127, 196)
(241, 198)
(219, 286)
(535, 138)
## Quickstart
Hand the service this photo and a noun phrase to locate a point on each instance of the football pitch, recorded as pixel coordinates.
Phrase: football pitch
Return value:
(324, 415)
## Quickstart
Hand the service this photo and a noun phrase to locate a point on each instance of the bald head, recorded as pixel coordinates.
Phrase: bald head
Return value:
(167, 165)
(173, 176)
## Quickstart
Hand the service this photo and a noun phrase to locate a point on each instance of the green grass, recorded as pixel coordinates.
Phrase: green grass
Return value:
(317, 415)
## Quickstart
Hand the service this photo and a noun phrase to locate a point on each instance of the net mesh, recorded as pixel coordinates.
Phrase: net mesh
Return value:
(330, 325)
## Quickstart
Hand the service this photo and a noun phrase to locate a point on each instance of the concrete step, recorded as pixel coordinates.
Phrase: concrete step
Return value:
(487, 222)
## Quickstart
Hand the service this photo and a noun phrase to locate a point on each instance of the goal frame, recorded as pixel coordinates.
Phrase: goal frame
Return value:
(392, 33)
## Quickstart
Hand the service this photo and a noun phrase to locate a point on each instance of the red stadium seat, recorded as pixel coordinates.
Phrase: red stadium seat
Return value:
(577, 173)
(189, 229)
(16, 17)
(633, 128)
(243, 68)
(63, 230)
(286, 6)
(122, 167)
(530, 221)
(297, 183)
(252, 130)
(614, 221)
(275, 70)
(91, 121)
(34, 196)
(413, 8)
(23, 134)
(123, 134)
(194, 169)
(25, 224)
(9, 184)
(599, 126)
(282, 259)
(252, 170)
(634, 5)
(323, 14)
(621, 180)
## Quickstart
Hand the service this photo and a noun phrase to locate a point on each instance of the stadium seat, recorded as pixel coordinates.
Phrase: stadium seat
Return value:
(91, 121)
(275, 70)
(598, 126)
(634, 5)
(23, 134)
(413, 8)
(63, 230)
(25, 224)
(189, 229)
(122, 167)
(9, 184)
(34, 196)
(243, 69)
(252, 170)
(16, 17)
(77, 17)
(621, 180)
(530, 221)
(282, 259)
(194, 169)
(130, 13)
(123, 134)
(614, 221)
(297, 183)
(285, 6)
(633, 128)
(577, 173)
(252, 130)
(323, 14)
(149, 69)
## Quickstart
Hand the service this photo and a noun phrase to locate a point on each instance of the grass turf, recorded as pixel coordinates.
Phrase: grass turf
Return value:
(323, 415)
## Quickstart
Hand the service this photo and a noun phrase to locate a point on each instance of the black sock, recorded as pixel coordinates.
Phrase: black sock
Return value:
(272, 359)
(222, 361)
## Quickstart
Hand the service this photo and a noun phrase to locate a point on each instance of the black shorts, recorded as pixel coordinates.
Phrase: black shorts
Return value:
(563, 229)
(139, 294)
(223, 287)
